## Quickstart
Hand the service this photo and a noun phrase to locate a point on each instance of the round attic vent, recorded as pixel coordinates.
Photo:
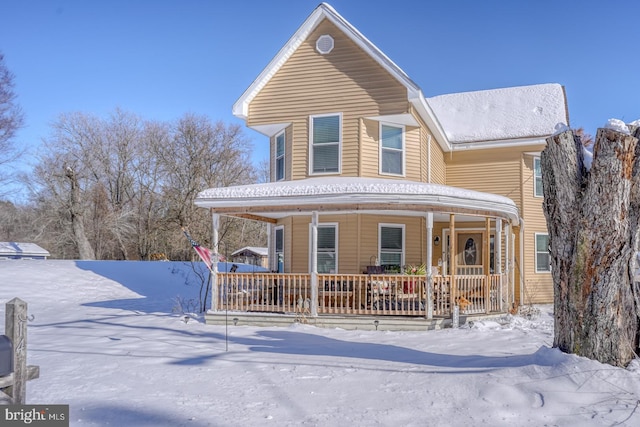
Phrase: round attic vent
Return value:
(324, 44)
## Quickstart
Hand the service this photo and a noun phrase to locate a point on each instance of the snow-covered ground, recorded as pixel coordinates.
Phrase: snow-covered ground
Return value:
(110, 345)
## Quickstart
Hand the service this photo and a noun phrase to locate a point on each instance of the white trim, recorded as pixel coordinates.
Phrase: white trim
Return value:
(391, 225)
(403, 150)
(502, 143)
(311, 117)
(326, 225)
(270, 129)
(536, 252)
(396, 119)
(284, 156)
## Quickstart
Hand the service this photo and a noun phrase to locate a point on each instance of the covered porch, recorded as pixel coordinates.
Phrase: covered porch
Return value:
(473, 274)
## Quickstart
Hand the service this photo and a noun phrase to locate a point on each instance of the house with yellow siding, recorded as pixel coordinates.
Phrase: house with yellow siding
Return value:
(383, 202)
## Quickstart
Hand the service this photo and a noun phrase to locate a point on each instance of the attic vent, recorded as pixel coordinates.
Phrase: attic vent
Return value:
(324, 44)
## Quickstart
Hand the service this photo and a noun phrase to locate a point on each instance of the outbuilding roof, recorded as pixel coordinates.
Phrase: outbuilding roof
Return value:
(22, 249)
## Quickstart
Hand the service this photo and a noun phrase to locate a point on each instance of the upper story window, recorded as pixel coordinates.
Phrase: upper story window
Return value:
(391, 149)
(325, 141)
(537, 178)
(391, 244)
(280, 156)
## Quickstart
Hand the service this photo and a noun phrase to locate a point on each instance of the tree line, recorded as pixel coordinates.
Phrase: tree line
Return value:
(123, 187)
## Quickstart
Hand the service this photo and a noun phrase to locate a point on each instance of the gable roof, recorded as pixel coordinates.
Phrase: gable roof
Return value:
(501, 114)
(525, 113)
(325, 11)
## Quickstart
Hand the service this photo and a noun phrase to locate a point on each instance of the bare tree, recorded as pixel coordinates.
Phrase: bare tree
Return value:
(135, 183)
(11, 119)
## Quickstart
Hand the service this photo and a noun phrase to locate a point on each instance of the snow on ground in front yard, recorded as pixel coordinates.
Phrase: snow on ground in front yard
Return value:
(109, 344)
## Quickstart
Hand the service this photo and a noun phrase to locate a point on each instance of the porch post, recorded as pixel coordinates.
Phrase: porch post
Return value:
(498, 259)
(215, 288)
(429, 282)
(314, 263)
(507, 261)
(487, 266)
(452, 262)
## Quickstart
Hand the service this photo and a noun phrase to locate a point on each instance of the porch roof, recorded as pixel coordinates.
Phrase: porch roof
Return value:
(353, 195)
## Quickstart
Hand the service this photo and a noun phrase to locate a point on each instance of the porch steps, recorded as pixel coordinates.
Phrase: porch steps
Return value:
(348, 322)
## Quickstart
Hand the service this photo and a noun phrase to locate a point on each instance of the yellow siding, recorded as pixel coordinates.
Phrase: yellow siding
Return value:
(354, 253)
(344, 81)
(538, 286)
(494, 171)
(437, 165)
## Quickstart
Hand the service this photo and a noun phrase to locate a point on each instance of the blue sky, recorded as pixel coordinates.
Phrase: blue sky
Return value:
(162, 59)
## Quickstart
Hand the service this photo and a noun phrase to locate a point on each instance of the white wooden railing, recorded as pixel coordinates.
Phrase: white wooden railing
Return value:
(353, 294)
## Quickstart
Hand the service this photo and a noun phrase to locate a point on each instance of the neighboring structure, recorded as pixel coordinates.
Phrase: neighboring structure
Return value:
(252, 255)
(19, 250)
(369, 176)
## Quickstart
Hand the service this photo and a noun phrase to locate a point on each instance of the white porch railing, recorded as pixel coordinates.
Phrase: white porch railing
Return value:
(359, 294)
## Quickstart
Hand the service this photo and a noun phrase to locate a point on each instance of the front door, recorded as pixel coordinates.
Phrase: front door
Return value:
(469, 253)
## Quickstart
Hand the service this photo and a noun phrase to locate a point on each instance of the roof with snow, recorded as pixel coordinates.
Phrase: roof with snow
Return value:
(353, 194)
(501, 114)
(22, 250)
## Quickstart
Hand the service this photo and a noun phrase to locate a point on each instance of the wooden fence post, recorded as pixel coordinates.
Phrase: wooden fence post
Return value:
(16, 329)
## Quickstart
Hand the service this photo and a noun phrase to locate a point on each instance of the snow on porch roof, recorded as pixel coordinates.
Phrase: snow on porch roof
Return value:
(501, 114)
(352, 191)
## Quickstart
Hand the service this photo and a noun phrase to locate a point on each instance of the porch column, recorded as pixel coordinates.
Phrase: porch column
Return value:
(429, 282)
(507, 261)
(215, 287)
(498, 259)
(487, 266)
(314, 263)
(452, 262)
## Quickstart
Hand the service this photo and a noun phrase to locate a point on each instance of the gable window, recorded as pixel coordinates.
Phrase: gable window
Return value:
(325, 141)
(391, 244)
(537, 178)
(391, 149)
(327, 248)
(279, 249)
(543, 261)
(280, 156)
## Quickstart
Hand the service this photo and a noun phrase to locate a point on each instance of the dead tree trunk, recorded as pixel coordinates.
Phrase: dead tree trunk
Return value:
(592, 217)
(77, 217)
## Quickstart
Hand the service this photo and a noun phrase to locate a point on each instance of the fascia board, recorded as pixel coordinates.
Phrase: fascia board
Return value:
(503, 143)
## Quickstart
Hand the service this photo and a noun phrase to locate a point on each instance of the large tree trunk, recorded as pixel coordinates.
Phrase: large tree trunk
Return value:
(77, 223)
(592, 217)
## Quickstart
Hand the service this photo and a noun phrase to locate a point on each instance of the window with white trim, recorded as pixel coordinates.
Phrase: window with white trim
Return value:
(325, 140)
(280, 140)
(327, 248)
(391, 149)
(279, 249)
(543, 260)
(537, 178)
(391, 244)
